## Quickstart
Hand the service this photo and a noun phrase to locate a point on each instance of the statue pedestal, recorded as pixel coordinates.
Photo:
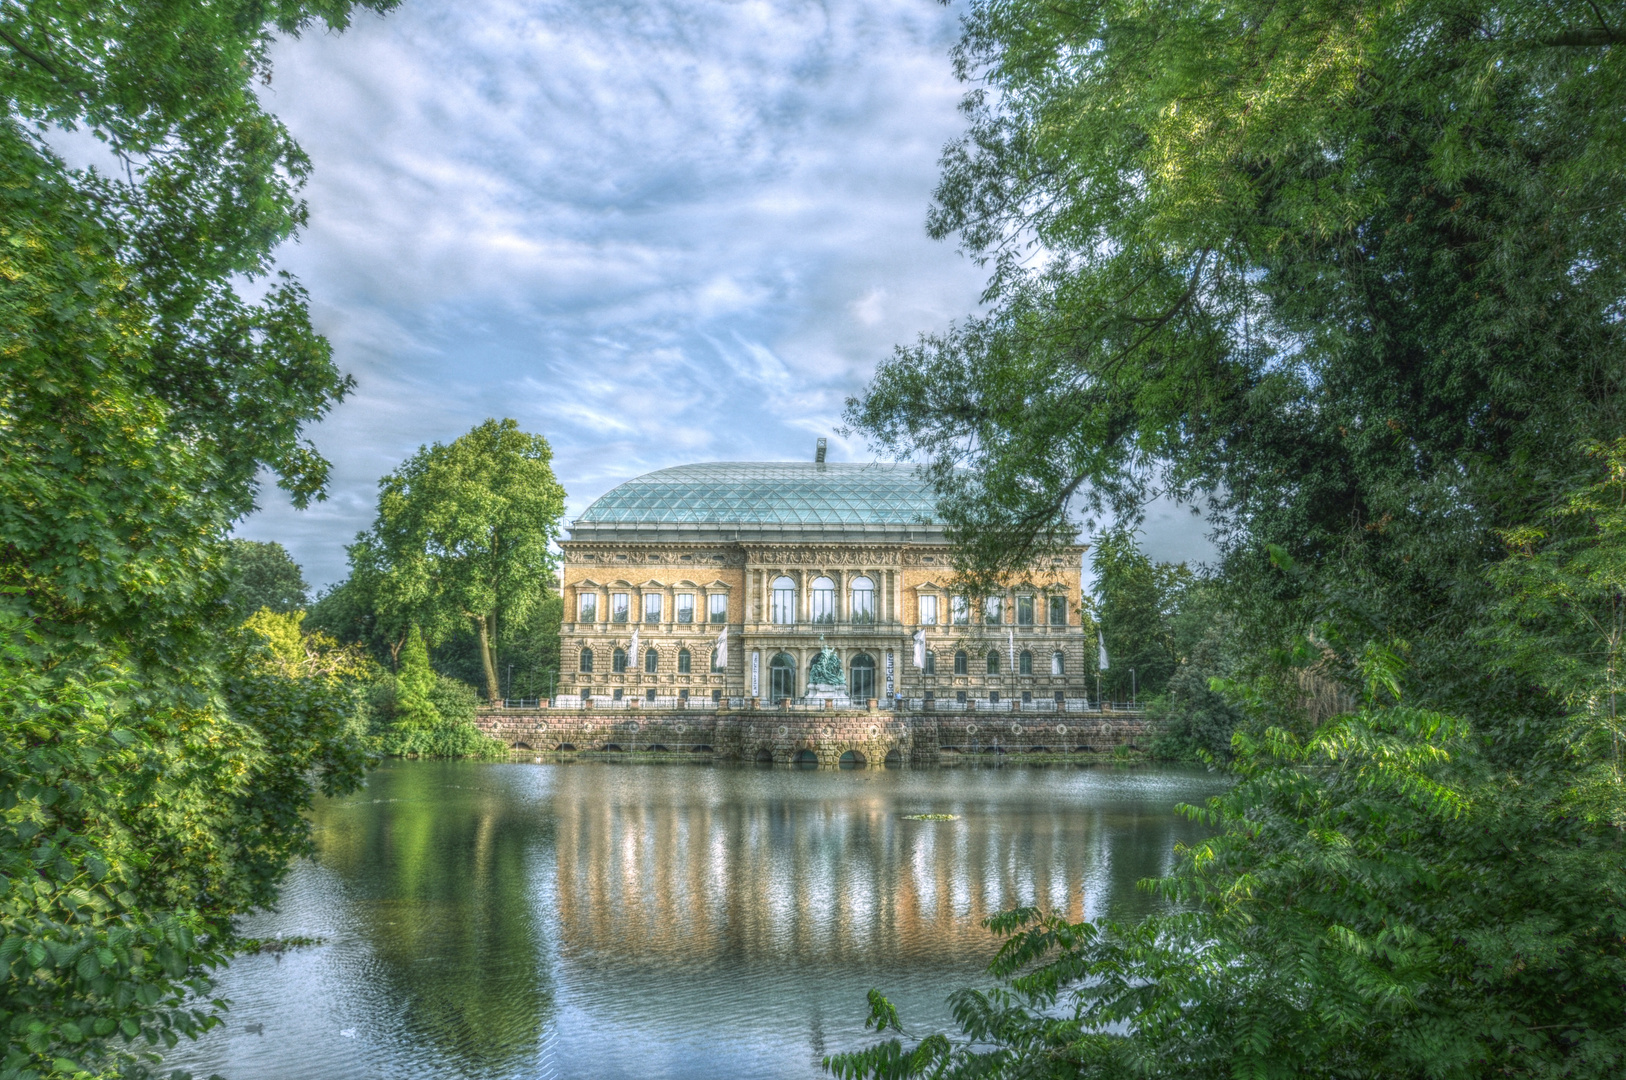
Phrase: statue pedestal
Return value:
(834, 696)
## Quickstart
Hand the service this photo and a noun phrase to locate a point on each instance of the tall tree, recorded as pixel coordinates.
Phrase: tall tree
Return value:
(264, 575)
(154, 765)
(463, 537)
(1350, 271)
(1137, 604)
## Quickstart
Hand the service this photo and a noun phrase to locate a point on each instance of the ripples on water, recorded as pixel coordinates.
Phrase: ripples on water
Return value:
(603, 920)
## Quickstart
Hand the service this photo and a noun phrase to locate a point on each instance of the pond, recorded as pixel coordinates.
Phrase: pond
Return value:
(606, 920)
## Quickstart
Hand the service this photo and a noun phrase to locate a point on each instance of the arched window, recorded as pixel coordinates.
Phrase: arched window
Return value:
(1058, 663)
(1024, 663)
(960, 663)
(652, 660)
(863, 600)
(781, 677)
(931, 663)
(861, 681)
(784, 601)
(618, 660)
(821, 597)
(685, 661)
(715, 666)
(993, 661)
(587, 661)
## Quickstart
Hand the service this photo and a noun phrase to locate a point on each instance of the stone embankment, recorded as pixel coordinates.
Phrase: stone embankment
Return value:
(829, 738)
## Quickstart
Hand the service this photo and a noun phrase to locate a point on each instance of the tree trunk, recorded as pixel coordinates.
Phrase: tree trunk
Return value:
(488, 654)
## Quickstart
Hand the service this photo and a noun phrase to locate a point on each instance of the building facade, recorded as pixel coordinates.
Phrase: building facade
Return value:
(788, 557)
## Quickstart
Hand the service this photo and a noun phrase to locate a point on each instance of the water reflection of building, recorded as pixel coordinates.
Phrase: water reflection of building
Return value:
(787, 555)
(654, 879)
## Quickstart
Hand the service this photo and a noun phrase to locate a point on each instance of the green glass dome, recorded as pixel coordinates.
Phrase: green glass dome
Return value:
(785, 493)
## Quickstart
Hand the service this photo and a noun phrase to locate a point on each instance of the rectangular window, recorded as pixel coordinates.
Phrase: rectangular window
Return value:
(931, 663)
(928, 611)
(685, 607)
(587, 607)
(618, 607)
(961, 611)
(652, 607)
(1024, 611)
(993, 610)
(719, 607)
(959, 695)
(993, 697)
(1058, 611)
(784, 606)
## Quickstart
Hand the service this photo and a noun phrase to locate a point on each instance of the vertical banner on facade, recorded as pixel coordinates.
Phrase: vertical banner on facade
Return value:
(889, 673)
(756, 673)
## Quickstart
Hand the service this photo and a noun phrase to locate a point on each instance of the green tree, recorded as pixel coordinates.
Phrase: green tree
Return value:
(413, 685)
(264, 575)
(154, 762)
(463, 538)
(1137, 602)
(1349, 273)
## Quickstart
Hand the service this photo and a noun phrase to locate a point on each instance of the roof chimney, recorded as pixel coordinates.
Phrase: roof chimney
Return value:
(818, 455)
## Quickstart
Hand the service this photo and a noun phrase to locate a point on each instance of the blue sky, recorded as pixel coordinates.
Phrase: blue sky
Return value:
(655, 232)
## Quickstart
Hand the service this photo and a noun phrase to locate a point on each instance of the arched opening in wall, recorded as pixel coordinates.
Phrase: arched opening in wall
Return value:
(652, 660)
(616, 747)
(861, 683)
(705, 748)
(685, 661)
(618, 659)
(522, 746)
(781, 677)
(852, 759)
(805, 759)
(657, 748)
(568, 748)
(1038, 749)
(821, 599)
(587, 661)
(862, 600)
(764, 757)
(894, 759)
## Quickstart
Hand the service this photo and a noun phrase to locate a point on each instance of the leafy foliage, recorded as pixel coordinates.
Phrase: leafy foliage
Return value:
(1137, 606)
(155, 758)
(264, 575)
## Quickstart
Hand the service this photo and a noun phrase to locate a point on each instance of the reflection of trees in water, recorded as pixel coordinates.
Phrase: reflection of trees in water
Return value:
(441, 885)
(666, 878)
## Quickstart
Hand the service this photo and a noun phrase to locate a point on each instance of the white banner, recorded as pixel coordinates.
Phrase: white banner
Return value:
(1102, 642)
(722, 649)
(632, 661)
(920, 648)
(756, 673)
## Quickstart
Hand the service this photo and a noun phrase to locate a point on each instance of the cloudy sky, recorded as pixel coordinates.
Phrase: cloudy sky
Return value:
(655, 232)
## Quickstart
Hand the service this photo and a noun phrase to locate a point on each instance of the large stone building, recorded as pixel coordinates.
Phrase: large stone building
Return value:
(788, 556)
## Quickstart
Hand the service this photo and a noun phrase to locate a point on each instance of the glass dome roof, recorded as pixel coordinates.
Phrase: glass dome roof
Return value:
(770, 493)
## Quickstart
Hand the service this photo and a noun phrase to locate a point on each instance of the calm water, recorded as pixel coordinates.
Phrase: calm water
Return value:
(602, 920)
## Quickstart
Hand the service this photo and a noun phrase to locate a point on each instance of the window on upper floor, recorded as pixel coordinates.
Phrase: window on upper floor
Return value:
(928, 611)
(993, 661)
(652, 661)
(1058, 663)
(618, 660)
(717, 605)
(961, 662)
(1058, 611)
(863, 600)
(716, 664)
(618, 607)
(821, 599)
(993, 610)
(1024, 663)
(961, 610)
(587, 607)
(1024, 611)
(652, 607)
(931, 663)
(783, 610)
(685, 661)
(587, 661)
(685, 607)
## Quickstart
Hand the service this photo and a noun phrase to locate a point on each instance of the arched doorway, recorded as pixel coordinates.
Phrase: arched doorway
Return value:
(781, 677)
(861, 683)
(894, 760)
(764, 757)
(805, 759)
(852, 759)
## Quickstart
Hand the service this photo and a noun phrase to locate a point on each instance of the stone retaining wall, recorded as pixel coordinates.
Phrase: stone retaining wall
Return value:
(872, 737)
